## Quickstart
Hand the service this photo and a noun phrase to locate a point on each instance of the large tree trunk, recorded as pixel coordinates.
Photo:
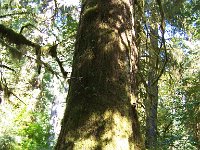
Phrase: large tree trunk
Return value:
(99, 114)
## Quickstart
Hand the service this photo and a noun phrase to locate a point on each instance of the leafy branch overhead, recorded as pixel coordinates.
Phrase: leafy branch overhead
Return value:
(13, 37)
(36, 47)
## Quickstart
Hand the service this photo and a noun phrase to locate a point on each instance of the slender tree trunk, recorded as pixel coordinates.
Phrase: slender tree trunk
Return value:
(99, 114)
(137, 15)
(151, 103)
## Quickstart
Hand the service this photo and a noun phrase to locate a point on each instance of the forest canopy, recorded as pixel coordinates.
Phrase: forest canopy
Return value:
(110, 57)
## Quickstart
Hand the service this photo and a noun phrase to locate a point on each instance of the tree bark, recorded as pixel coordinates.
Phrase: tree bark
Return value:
(99, 114)
(151, 103)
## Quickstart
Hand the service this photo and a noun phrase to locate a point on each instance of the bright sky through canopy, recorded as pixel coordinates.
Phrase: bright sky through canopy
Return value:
(72, 2)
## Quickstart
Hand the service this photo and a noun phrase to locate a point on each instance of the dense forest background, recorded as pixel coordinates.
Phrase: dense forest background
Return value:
(37, 41)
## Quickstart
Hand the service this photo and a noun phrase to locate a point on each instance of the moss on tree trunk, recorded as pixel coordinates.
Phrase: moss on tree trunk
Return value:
(99, 113)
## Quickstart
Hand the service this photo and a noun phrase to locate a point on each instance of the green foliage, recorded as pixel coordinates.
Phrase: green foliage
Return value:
(28, 127)
(178, 107)
(178, 112)
(7, 142)
(36, 134)
(28, 95)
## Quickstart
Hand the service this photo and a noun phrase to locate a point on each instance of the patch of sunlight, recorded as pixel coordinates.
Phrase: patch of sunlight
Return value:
(103, 25)
(121, 64)
(122, 126)
(125, 40)
(133, 99)
(107, 114)
(121, 143)
(115, 135)
(118, 133)
(85, 144)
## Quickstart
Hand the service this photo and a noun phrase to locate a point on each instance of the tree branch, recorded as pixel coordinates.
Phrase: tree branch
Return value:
(18, 98)
(15, 37)
(162, 26)
(53, 53)
(8, 92)
(4, 66)
(19, 39)
(9, 15)
(26, 26)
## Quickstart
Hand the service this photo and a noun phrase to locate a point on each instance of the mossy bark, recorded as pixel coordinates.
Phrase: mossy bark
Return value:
(99, 113)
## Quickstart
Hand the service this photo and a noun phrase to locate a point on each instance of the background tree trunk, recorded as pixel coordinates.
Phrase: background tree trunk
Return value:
(99, 114)
(151, 102)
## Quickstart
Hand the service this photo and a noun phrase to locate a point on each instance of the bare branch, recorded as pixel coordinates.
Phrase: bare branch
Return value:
(18, 98)
(26, 26)
(53, 53)
(4, 66)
